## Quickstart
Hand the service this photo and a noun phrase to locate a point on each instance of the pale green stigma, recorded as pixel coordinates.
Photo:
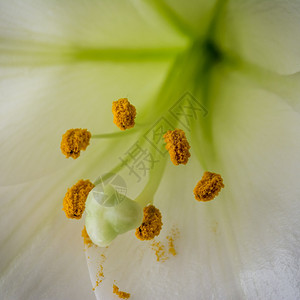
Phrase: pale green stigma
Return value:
(109, 213)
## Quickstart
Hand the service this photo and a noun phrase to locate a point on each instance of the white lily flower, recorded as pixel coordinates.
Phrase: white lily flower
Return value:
(63, 63)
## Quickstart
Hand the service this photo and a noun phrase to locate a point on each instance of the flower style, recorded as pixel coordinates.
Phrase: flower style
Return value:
(236, 63)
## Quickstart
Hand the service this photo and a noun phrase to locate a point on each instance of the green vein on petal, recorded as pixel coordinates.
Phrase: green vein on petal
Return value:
(47, 55)
(124, 55)
(215, 22)
(171, 17)
(206, 87)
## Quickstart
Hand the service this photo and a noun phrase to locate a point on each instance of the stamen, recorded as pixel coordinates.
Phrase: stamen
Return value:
(122, 295)
(151, 225)
(124, 113)
(178, 146)
(73, 141)
(74, 201)
(208, 187)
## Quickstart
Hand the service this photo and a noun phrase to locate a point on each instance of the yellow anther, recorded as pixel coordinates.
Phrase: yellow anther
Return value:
(151, 224)
(74, 201)
(178, 146)
(120, 294)
(124, 113)
(73, 141)
(208, 187)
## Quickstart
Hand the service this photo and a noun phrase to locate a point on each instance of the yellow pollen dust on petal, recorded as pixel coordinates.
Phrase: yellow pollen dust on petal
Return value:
(120, 294)
(171, 239)
(86, 239)
(124, 113)
(73, 141)
(208, 187)
(162, 249)
(178, 146)
(75, 198)
(151, 225)
(100, 272)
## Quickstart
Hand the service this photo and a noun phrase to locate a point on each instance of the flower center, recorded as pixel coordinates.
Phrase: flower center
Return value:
(110, 213)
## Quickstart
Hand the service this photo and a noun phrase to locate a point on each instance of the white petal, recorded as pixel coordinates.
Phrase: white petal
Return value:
(258, 136)
(285, 86)
(264, 32)
(47, 27)
(41, 251)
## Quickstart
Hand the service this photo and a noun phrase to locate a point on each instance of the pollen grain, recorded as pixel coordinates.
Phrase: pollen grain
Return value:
(178, 146)
(86, 239)
(124, 113)
(208, 187)
(120, 294)
(73, 141)
(74, 201)
(151, 225)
